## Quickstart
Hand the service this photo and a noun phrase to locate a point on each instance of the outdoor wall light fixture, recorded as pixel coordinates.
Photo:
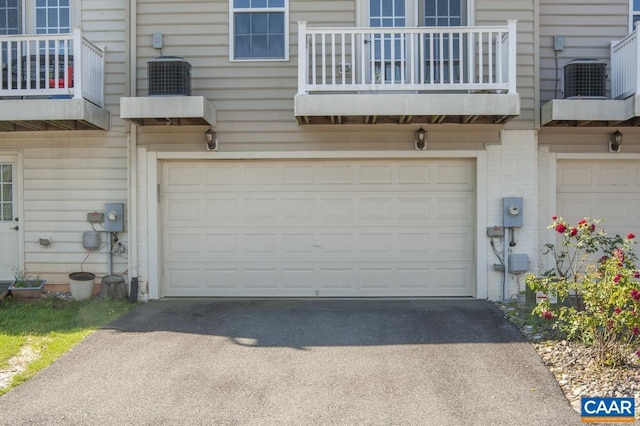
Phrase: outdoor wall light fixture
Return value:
(615, 140)
(211, 139)
(421, 139)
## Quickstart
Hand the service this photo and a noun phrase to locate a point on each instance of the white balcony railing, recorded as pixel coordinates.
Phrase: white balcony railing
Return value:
(401, 59)
(53, 65)
(625, 55)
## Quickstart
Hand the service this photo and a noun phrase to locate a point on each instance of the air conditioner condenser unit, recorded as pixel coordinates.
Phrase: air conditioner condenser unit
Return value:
(169, 75)
(585, 79)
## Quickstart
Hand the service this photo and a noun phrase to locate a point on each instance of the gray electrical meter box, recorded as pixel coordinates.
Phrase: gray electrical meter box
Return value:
(114, 217)
(512, 212)
(91, 240)
(518, 263)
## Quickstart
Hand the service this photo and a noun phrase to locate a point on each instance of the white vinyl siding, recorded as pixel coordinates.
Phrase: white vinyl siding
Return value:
(588, 29)
(318, 228)
(67, 174)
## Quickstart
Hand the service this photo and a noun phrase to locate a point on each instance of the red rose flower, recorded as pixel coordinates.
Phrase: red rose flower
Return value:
(583, 222)
(573, 232)
(617, 278)
(630, 236)
(617, 310)
(636, 274)
(561, 228)
(547, 315)
(554, 217)
(635, 330)
(635, 294)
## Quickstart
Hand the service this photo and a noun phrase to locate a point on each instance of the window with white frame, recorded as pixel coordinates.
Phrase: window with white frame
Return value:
(259, 29)
(52, 17)
(43, 16)
(635, 13)
(10, 17)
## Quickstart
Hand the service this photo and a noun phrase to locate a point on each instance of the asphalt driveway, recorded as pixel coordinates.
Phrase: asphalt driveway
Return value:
(297, 362)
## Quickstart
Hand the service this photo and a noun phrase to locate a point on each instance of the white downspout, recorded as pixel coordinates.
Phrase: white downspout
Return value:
(132, 154)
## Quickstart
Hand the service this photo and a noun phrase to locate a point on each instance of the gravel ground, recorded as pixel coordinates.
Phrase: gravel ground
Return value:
(577, 375)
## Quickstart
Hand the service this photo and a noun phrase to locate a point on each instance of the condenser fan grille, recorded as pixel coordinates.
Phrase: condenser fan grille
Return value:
(169, 75)
(585, 79)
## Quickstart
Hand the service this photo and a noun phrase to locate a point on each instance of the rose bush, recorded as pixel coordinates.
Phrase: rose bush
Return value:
(595, 280)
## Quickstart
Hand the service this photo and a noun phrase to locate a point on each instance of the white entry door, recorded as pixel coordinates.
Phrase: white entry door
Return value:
(9, 224)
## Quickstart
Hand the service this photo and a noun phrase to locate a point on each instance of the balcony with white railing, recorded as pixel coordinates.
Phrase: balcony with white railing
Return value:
(52, 82)
(407, 75)
(620, 108)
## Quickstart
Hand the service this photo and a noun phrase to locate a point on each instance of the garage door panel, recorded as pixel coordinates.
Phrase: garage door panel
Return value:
(319, 228)
(183, 244)
(184, 209)
(221, 210)
(216, 178)
(337, 281)
(298, 244)
(454, 208)
(334, 245)
(413, 209)
(184, 277)
(602, 189)
(220, 243)
(575, 176)
(375, 209)
(454, 173)
(183, 176)
(453, 243)
(298, 209)
(375, 174)
(296, 175)
(302, 280)
(451, 277)
(339, 174)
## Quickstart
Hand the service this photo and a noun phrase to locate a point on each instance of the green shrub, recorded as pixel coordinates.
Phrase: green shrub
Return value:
(595, 280)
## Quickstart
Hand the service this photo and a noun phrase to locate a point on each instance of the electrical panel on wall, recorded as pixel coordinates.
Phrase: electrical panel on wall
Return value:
(512, 212)
(114, 217)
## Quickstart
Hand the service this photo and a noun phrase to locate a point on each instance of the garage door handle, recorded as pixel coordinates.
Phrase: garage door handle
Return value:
(16, 227)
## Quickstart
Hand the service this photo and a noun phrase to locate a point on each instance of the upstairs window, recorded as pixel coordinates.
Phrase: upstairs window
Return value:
(42, 17)
(259, 30)
(635, 13)
(52, 17)
(10, 17)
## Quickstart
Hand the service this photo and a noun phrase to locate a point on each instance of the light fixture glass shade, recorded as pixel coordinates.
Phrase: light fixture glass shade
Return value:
(421, 139)
(615, 141)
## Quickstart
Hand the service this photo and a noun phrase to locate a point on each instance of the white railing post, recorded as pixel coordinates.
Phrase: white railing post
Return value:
(78, 64)
(303, 67)
(513, 53)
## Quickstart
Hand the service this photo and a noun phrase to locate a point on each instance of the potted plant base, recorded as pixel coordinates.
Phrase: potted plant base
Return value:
(81, 285)
(27, 291)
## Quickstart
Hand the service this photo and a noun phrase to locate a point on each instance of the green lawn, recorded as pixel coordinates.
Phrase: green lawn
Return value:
(43, 330)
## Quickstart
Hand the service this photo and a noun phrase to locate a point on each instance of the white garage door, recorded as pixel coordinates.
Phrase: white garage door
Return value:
(607, 190)
(318, 228)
